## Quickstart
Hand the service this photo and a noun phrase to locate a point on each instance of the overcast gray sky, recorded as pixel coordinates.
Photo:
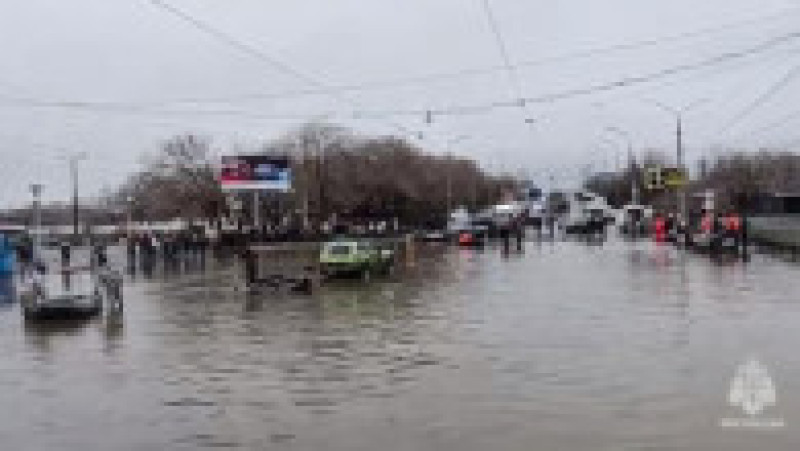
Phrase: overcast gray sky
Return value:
(111, 78)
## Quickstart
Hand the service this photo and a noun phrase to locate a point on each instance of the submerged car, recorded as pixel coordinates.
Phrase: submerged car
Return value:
(356, 257)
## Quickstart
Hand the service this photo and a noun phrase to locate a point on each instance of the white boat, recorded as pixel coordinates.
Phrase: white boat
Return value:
(51, 291)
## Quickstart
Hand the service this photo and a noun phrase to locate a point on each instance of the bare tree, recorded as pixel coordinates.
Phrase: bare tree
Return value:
(178, 182)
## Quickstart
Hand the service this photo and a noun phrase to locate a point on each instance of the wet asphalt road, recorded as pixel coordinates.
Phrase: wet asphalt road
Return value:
(568, 346)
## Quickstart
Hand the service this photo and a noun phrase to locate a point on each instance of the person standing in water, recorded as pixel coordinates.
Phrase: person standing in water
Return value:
(66, 253)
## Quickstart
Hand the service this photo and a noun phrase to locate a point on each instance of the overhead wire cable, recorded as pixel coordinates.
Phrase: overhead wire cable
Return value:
(503, 49)
(322, 89)
(253, 51)
(628, 81)
(762, 99)
(471, 72)
(454, 109)
(423, 79)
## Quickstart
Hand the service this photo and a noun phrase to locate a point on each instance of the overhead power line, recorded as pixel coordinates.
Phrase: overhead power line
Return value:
(121, 107)
(628, 81)
(763, 98)
(455, 110)
(772, 125)
(501, 45)
(322, 89)
(233, 42)
(252, 51)
(474, 72)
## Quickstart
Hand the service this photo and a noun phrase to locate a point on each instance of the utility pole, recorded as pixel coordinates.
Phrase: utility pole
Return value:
(129, 225)
(634, 178)
(36, 190)
(681, 192)
(257, 209)
(73, 160)
(303, 144)
(73, 163)
(449, 190)
(321, 179)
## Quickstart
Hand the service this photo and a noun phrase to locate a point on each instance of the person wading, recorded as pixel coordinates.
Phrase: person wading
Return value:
(660, 228)
(66, 253)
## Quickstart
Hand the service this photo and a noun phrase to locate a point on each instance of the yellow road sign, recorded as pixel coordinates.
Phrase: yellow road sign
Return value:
(654, 178)
(674, 177)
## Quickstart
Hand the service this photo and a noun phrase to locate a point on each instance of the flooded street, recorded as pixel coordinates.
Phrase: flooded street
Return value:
(571, 345)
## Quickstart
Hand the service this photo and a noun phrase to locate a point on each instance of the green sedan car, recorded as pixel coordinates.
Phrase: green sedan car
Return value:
(359, 257)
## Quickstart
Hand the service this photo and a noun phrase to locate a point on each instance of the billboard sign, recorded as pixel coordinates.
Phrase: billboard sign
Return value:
(674, 177)
(658, 178)
(256, 172)
(654, 178)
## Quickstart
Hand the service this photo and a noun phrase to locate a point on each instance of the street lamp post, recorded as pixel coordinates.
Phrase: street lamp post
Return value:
(73, 160)
(36, 191)
(129, 226)
(679, 154)
(323, 212)
(74, 170)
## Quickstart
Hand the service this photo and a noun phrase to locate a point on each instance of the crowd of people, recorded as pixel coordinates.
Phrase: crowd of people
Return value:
(144, 249)
(714, 231)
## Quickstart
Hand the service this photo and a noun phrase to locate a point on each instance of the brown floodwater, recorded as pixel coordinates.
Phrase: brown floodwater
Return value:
(567, 346)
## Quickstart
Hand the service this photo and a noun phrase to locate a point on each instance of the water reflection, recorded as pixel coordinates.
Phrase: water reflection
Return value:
(44, 336)
(113, 329)
(7, 291)
(569, 345)
(348, 341)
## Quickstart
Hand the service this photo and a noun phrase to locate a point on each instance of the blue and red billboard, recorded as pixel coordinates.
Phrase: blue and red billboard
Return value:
(256, 172)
